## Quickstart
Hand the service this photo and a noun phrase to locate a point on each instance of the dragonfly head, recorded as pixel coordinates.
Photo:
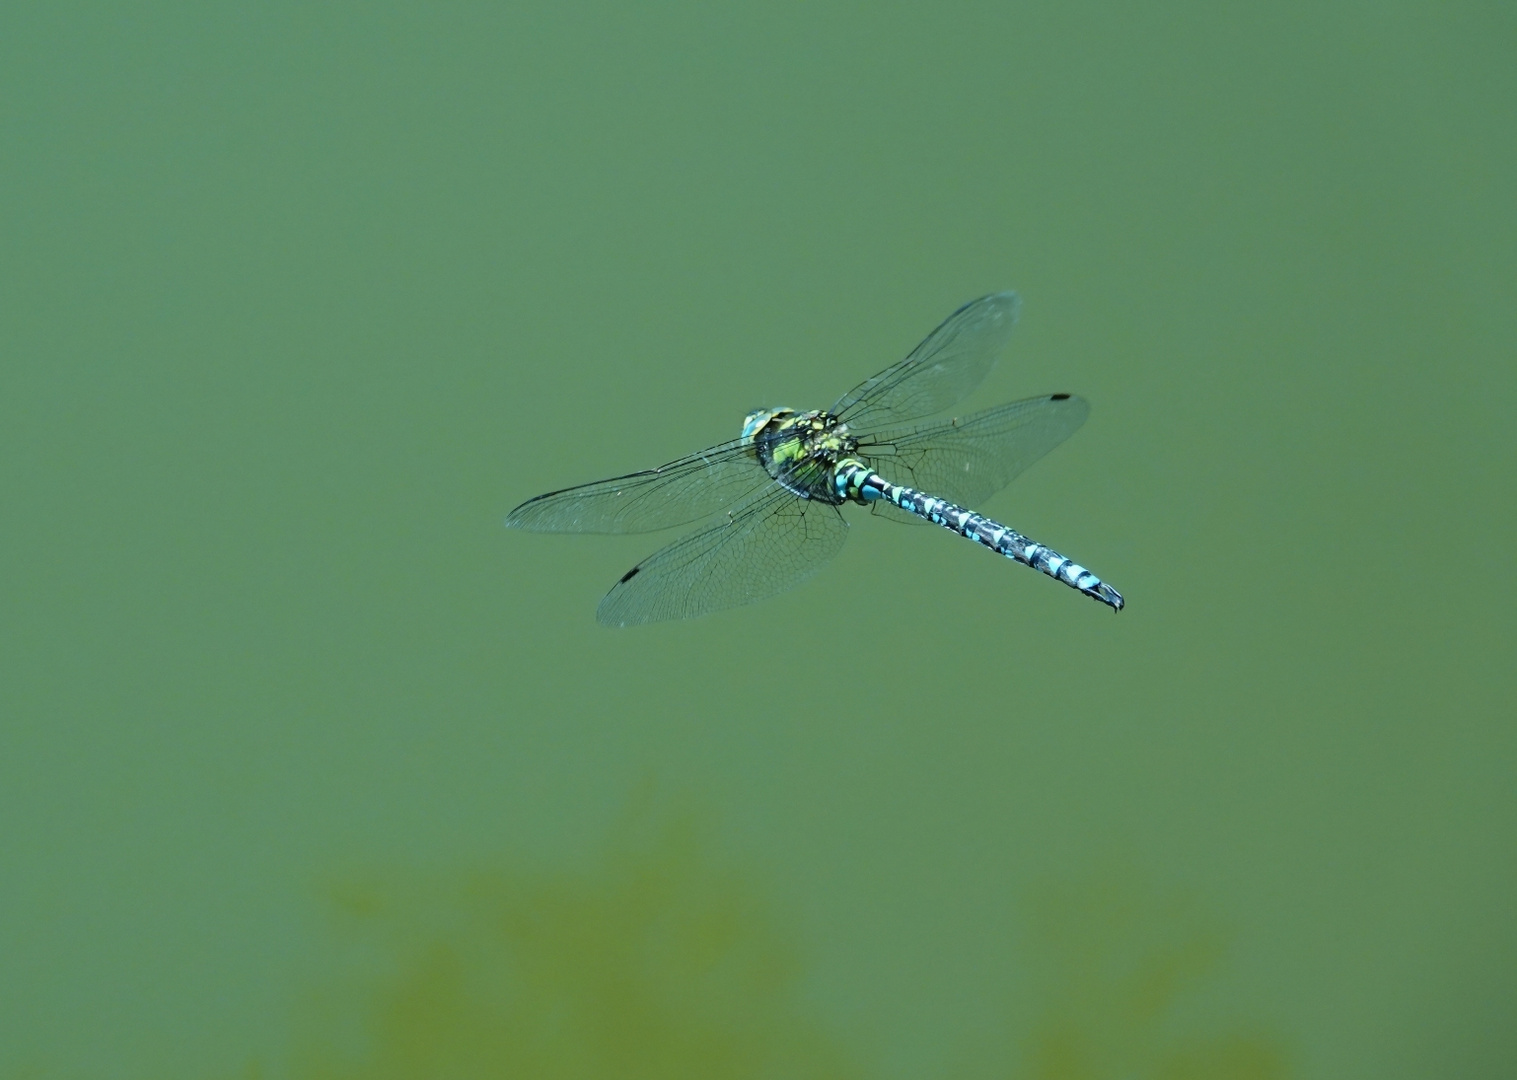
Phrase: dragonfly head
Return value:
(759, 419)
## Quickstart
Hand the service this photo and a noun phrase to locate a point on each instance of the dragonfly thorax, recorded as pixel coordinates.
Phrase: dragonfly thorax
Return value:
(800, 450)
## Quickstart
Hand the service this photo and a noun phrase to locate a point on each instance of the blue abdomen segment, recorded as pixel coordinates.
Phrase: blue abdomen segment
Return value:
(855, 481)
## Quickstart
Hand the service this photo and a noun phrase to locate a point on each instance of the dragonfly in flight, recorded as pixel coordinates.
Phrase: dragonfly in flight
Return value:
(772, 495)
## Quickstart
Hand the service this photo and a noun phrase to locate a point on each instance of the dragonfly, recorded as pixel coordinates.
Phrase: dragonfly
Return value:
(769, 502)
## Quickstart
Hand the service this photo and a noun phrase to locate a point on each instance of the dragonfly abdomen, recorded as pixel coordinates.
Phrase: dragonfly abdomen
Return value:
(857, 482)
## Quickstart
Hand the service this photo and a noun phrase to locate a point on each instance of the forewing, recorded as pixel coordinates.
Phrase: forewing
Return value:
(952, 361)
(674, 494)
(968, 459)
(775, 543)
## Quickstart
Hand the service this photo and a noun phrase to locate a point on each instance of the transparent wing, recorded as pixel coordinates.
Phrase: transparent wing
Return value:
(953, 360)
(674, 494)
(969, 458)
(778, 541)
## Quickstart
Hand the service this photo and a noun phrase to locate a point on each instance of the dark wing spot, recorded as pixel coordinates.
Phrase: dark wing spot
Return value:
(629, 575)
(1059, 397)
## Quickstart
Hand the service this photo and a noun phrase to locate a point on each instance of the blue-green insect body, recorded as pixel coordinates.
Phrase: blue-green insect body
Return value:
(774, 493)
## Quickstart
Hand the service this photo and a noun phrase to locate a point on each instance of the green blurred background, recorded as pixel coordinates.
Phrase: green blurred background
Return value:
(311, 768)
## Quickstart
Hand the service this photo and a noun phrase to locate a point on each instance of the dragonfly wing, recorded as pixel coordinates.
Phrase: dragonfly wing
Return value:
(952, 361)
(968, 459)
(674, 494)
(883, 508)
(776, 542)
